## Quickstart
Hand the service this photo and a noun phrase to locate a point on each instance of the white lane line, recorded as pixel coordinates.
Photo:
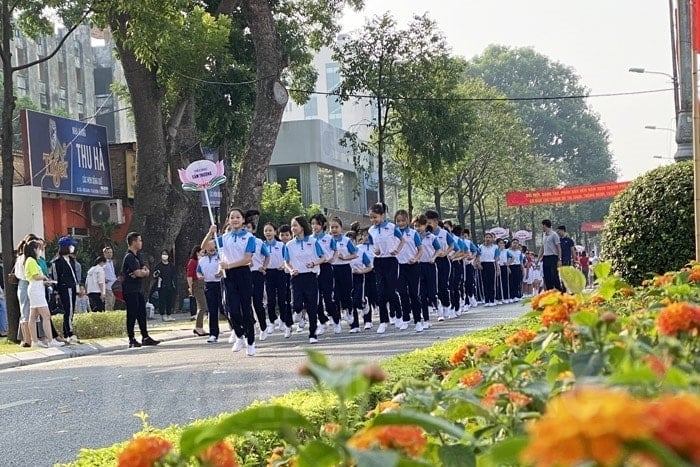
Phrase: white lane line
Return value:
(18, 403)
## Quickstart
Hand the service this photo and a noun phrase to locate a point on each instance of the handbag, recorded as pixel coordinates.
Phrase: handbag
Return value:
(11, 278)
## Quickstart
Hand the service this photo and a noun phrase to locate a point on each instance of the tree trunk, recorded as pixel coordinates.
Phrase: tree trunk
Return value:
(437, 196)
(482, 216)
(498, 215)
(267, 117)
(159, 209)
(409, 196)
(6, 224)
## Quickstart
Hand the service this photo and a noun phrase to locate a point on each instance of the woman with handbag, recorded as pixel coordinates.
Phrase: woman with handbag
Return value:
(66, 283)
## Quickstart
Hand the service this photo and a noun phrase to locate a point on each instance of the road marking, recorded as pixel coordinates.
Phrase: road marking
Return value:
(18, 403)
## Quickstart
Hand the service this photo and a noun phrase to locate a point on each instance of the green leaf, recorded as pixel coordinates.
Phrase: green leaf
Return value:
(318, 454)
(426, 421)
(375, 458)
(573, 279)
(587, 364)
(602, 270)
(262, 418)
(607, 288)
(677, 377)
(659, 451)
(457, 455)
(585, 318)
(505, 453)
(641, 375)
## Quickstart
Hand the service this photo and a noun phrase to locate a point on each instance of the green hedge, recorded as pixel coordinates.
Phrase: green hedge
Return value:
(650, 228)
(96, 325)
(320, 406)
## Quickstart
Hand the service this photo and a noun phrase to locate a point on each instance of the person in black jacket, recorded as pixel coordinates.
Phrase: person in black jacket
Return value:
(63, 272)
(164, 275)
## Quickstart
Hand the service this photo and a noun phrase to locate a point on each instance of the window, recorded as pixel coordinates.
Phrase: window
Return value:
(62, 74)
(311, 108)
(326, 188)
(103, 79)
(44, 71)
(79, 80)
(335, 109)
(342, 199)
(286, 173)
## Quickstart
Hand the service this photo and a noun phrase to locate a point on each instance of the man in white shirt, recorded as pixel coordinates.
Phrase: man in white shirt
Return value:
(550, 256)
(110, 278)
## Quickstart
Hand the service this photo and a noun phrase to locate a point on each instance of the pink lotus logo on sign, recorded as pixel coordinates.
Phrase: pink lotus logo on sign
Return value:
(202, 175)
(523, 235)
(500, 232)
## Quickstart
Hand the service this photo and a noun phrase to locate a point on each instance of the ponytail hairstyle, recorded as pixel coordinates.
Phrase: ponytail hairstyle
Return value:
(320, 220)
(355, 226)
(378, 208)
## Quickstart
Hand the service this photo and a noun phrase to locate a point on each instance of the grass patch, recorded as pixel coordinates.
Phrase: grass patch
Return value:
(7, 347)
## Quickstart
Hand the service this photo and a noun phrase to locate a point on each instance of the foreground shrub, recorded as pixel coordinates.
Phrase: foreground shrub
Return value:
(96, 325)
(650, 228)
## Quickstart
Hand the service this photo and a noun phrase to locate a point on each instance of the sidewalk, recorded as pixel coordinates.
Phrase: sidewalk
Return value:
(163, 331)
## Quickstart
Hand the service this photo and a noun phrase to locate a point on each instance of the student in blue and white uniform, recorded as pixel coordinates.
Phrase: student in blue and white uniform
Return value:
(370, 298)
(342, 273)
(516, 261)
(503, 286)
(470, 270)
(236, 249)
(387, 241)
(441, 262)
(456, 271)
(488, 256)
(208, 271)
(285, 234)
(258, 266)
(360, 265)
(302, 256)
(275, 282)
(409, 273)
(325, 277)
(428, 272)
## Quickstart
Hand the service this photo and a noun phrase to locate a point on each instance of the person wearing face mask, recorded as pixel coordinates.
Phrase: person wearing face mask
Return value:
(63, 272)
(164, 273)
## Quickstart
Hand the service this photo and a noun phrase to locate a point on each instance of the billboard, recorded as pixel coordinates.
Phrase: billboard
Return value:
(595, 226)
(66, 156)
(571, 194)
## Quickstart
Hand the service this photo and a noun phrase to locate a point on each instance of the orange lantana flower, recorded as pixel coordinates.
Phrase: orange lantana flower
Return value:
(220, 454)
(677, 317)
(660, 281)
(409, 439)
(694, 274)
(522, 336)
(592, 423)
(675, 419)
(472, 379)
(492, 394)
(143, 451)
(459, 355)
(519, 399)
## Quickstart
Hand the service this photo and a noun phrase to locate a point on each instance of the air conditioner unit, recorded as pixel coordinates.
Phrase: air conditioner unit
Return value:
(106, 211)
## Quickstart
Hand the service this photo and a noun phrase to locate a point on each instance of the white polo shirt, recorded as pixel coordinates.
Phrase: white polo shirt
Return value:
(300, 252)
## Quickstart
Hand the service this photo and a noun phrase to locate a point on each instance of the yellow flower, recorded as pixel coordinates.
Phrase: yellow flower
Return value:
(566, 376)
(591, 423)
(143, 451)
(408, 439)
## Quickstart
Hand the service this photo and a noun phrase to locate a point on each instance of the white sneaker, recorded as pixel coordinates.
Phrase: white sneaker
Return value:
(288, 333)
(403, 326)
(232, 338)
(55, 343)
(351, 318)
(321, 329)
(301, 325)
(40, 344)
(238, 345)
(213, 340)
(426, 325)
(451, 314)
(392, 321)
(263, 335)
(368, 325)
(337, 329)
(313, 340)
(355, 330)
(472, 302)
(419, 327)
(279, 324)
(270, 329)
(296, 317)
(250, 351)
(73, 339)
(382, 328)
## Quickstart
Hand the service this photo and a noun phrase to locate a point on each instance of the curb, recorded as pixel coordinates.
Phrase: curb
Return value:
(15, 360)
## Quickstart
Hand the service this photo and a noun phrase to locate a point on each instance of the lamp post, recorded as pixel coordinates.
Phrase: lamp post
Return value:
(654, 127)
(663, 157)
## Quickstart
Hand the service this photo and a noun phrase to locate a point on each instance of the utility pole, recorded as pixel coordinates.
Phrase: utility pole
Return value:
(684, 123)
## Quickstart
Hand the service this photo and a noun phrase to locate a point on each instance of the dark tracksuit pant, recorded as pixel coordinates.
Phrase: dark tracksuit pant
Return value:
(135, 312)
(258, 281)
(488, 276)
(469, 281)
(358, 299)
(212, 293)
(371, 291)
(428, 288)
(550, 273)
(238, 295)
(516, 281)
(342, 278)
(387, 273)
(276, 289)
(325, 295)
(456, 270)
(305, 292)
(67, 296)
(443, 280)
(409, 280)
(503, 285)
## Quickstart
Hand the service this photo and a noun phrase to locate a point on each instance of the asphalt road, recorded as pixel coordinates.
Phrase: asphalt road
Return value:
(49, 411)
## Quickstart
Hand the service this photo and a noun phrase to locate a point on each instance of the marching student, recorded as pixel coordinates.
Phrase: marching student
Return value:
(325, 277)
(275, 281)
(285, 234)
(342, 272)
(387, 241)
(441, 262)
(516, 258)
(258, 267)
(488, 257)
(236, 249)
(456, 271)
(370, 297)
(409, 273)
(503, 285)
(302, 256)
(360, 265)
(209, 272)
(470, 270)
(427, 283)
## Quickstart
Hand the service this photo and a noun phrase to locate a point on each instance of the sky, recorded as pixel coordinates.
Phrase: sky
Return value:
(599, 39)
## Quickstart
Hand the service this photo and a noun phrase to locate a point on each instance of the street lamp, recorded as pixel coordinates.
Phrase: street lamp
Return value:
(653, 127)
(662, 157)
(673, 79)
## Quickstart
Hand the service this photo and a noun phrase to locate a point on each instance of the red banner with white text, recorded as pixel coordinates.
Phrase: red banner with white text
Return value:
(570, 194)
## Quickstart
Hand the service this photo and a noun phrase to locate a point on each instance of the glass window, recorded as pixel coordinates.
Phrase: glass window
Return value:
(326, 188)
(340, 182)
(286, 173)
(311, 108)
